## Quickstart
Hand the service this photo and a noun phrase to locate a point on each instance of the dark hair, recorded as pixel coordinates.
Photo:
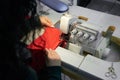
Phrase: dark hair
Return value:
(13, 25)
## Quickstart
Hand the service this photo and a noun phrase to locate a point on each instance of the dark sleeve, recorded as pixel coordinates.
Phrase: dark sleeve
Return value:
(32, 75)
(54, 73)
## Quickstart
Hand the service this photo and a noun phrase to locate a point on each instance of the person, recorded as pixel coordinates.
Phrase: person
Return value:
(14, 25)
(36, 41)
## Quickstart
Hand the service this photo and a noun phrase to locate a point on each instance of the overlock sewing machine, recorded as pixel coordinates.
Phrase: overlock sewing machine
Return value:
(86, 46)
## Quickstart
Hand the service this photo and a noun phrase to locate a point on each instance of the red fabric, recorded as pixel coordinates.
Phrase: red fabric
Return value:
(50, 39)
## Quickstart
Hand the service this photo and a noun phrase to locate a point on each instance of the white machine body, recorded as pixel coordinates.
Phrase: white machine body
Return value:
(85, 49)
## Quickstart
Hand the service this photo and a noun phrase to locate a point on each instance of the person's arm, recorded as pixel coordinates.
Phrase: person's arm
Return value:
(45, 21)
(53, 63)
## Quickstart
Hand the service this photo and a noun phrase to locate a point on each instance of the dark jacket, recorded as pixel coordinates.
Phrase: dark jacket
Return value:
(49, 73)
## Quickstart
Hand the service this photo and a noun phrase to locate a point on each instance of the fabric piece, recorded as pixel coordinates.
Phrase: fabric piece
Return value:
(49, 39)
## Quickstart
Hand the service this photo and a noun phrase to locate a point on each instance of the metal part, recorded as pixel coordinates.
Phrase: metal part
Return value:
(111, 72)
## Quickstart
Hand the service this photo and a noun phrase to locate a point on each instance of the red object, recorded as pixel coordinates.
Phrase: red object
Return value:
(49, 39)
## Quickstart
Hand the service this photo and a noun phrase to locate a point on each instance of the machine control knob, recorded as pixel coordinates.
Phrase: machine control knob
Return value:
(85, 36)
(91, 38)
(80, 33)
(74, 31)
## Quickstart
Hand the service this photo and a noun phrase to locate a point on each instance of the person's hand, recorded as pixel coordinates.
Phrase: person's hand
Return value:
(52, 58)
(46, 21)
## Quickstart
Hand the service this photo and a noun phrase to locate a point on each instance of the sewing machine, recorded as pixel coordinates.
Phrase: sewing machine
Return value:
(87, 45)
